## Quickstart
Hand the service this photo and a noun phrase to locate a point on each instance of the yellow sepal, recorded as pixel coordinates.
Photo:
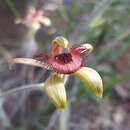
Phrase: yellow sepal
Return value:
(55, 90)
(91, 80)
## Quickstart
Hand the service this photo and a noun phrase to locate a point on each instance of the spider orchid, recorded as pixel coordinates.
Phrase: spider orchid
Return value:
(62, 63)
(34, 18)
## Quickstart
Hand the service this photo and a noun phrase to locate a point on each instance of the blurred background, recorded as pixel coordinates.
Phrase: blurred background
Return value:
(103, 23)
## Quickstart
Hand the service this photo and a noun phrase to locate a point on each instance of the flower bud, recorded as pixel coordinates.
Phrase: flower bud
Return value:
(55, 90)
(35, 26)
(45, 21)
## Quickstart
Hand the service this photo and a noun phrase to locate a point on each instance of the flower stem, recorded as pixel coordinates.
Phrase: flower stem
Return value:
(64, 116)
(22, 88)
(13, 8)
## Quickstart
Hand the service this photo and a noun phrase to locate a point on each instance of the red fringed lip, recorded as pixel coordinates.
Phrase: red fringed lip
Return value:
(65, 63)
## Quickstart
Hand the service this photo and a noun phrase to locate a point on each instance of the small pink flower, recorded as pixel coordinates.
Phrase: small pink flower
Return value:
(34, 18)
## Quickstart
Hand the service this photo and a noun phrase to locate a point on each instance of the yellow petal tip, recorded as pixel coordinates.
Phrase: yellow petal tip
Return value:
(99, 96)
(89, 47)
(61, 41)
(60, 109)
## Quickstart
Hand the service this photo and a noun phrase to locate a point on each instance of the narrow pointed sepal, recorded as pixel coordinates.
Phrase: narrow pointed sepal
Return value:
(55, 90)
(29, 61)
(91, 80)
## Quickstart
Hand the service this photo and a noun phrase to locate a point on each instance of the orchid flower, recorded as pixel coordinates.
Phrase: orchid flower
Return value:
(34, 18)
(63, 63)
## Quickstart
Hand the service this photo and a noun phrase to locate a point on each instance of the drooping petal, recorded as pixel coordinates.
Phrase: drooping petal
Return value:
(91, 79)
(55, 90)
(29, 61)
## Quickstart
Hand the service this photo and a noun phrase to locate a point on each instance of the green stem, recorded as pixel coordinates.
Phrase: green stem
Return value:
(12, 7)
(64, 116)
(22, 88)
